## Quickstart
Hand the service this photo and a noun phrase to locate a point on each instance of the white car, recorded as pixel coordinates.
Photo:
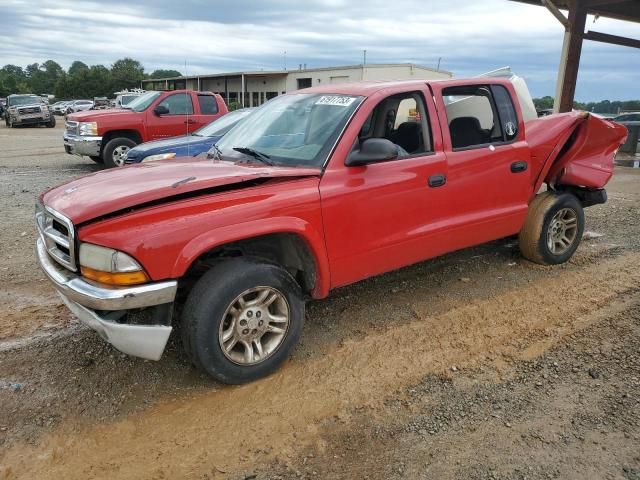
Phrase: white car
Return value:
(79, 106)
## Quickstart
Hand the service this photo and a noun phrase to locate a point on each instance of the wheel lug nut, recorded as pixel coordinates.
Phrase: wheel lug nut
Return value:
(254, 331)
(249, 314)
(243, 322)
(245, 331)
(260, 323)
(258, 314)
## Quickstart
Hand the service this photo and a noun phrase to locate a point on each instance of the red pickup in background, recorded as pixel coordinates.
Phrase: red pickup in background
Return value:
(107, 135)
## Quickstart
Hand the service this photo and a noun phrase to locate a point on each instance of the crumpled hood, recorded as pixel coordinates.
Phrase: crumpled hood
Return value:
(109, 191)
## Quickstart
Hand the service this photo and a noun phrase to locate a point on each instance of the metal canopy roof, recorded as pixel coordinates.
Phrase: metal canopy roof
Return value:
(628, 10)
(574, 25)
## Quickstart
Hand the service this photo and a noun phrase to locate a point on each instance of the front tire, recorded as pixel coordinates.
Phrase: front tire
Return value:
(242, 319)
(51, 123)
(553, 229)
(115, 151)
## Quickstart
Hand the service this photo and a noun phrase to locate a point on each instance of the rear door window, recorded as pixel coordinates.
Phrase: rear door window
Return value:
(480, 115)
(208, 104)
(506, 112)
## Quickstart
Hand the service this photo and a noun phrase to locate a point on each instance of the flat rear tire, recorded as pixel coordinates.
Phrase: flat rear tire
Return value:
(553, 229)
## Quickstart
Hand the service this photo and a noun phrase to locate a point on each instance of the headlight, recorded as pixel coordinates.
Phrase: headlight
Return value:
(159, 156)
(88, 128)
(106, 265)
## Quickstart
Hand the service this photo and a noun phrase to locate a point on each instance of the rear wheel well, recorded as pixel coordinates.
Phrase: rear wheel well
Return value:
(130, 134)
(288, 250)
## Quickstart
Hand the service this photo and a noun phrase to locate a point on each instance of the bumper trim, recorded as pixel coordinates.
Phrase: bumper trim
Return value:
(82, 145)
(144, 341)
(97, 297)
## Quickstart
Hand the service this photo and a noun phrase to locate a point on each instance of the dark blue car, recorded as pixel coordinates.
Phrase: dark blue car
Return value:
(192, 145)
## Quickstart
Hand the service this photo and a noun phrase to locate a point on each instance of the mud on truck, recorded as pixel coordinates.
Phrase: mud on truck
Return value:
(317, 189)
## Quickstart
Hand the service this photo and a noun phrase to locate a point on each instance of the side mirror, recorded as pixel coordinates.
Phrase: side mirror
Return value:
(161, 110)
(372, 150)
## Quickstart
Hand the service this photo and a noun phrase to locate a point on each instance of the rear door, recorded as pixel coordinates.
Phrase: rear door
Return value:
(179, 121)
(487, 157)
(206, 109)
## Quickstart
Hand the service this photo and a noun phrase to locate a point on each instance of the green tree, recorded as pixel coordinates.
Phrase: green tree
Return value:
(77, 67)
(13, 80)
(543, 103)
(99, 81)
(164, 74)
(127, 73)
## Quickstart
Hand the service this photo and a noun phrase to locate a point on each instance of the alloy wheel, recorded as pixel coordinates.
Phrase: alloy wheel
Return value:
(254, 325)
(119, 155)
(562, 231)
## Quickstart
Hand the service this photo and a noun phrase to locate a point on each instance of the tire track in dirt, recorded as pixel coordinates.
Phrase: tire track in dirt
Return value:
(237, 427)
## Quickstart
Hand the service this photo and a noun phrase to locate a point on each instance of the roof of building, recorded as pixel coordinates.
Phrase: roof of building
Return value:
(310, 70)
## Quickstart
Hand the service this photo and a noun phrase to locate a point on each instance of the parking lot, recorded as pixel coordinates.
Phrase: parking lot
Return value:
(475, 365)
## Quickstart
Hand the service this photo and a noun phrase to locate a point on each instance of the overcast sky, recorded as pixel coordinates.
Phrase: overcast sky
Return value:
(471, 37)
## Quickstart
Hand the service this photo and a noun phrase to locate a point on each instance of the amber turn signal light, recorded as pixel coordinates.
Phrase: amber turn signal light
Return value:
(117, 278)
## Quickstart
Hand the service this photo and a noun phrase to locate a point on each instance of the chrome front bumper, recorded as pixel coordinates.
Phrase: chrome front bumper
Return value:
(82, 145)
(83, 298)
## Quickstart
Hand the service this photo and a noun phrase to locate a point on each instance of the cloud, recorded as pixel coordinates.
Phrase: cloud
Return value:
(468, 36)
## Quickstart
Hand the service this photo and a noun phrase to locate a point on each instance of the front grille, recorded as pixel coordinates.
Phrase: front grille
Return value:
(71, 127)
(27, 110)
(56, 231)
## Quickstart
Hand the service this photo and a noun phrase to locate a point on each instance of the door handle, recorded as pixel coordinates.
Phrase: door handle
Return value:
(190, 122)
(517, 167)
(437, 180)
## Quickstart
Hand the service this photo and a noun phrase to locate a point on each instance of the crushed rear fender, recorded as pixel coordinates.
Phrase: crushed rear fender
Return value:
(574, 149)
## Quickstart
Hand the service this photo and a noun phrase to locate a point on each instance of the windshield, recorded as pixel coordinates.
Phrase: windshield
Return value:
(293, 130)
(126, 99)
(142, 102)
(26, 100)
(222, 125)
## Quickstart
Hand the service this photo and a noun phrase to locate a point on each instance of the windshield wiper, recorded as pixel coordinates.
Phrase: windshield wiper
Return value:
(263, 157)
(217, 155)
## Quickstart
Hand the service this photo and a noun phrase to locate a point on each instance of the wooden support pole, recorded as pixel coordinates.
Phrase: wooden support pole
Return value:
(570, 59)
(556, 13)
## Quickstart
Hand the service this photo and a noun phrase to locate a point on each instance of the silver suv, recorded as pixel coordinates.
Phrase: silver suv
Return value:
(28, 110)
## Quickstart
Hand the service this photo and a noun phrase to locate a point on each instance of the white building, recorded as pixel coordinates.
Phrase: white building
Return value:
(251, 89)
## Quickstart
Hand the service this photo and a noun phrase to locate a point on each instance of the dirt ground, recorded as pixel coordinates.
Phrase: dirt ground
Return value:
(475, 365)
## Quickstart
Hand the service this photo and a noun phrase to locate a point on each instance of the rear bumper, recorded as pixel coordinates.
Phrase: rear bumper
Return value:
(101, 307)
(81, 145)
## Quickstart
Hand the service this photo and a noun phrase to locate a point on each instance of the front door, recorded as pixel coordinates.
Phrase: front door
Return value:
(384, 215)
(178, 121)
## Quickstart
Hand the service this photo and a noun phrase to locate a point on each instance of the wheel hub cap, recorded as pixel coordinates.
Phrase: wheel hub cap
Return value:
(254, 326)
(120, 154)
(562, 232)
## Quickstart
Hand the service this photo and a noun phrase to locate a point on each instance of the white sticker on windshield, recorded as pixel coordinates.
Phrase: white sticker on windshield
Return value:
(338, 101)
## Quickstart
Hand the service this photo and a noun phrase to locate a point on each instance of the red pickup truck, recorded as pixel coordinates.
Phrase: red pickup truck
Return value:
(107, 135)
(315, 190)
